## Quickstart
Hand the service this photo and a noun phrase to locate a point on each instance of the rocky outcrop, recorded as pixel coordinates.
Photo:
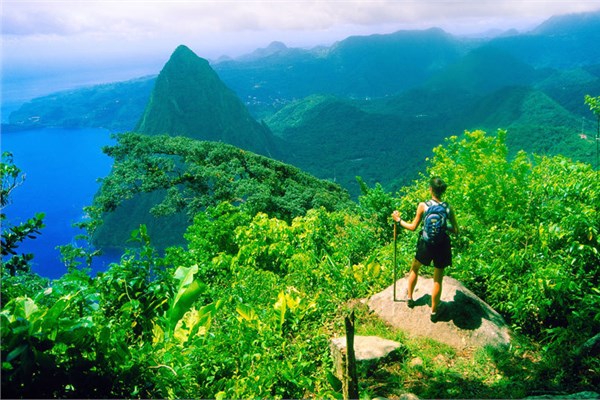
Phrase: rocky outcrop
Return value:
(465, 321)
(369, 351)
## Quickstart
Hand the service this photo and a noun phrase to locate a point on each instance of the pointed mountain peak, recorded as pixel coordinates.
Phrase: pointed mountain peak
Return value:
(183, 59)
(184, 54)
(183, 50)
(189, 99)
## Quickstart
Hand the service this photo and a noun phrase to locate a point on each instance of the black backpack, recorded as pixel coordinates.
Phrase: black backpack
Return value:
(434, 222)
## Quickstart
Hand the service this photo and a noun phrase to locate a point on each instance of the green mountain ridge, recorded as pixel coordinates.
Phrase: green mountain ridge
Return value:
(570, 86)
(484, 69)
(390, 147)
(574, 39)
(163, 182)
(357, 67)
(113, 106)
(472, 84)
(190, 100)
(350, 141)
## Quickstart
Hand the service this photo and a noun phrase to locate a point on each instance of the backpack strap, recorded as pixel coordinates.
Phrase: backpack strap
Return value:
(432, 202)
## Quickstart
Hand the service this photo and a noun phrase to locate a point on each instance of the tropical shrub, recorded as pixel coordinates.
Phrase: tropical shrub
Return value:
(247, 306)
(163, 182)
(529, 242)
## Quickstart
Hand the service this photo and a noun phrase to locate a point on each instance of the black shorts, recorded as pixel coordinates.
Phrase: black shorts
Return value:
(440, 253)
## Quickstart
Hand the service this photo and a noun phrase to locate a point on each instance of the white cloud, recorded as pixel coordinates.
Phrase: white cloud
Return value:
(188, 17)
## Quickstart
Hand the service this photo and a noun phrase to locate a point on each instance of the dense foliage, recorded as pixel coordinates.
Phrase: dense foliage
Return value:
(113, 106)
(247, 307)
(190, 100)
(163, 182)
(385, 140)
(13, 236)
(531, 242)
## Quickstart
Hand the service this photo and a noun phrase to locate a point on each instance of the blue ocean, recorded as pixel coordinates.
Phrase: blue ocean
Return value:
(61, 169)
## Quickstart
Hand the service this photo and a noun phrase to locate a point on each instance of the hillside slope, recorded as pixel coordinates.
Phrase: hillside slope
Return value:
(190, 100)
(335, 139)
(163, 182)
(564, 41)
(114, 106)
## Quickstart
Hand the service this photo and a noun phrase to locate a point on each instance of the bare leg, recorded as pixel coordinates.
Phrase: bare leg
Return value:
(436, 293)
(413, 277)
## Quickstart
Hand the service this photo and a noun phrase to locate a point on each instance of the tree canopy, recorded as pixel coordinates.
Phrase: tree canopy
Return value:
(246, 307)
(171, 179)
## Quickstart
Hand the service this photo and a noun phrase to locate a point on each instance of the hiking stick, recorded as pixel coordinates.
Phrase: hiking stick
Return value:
(395, 252)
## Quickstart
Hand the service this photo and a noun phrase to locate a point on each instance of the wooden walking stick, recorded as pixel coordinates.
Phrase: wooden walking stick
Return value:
(395, 253)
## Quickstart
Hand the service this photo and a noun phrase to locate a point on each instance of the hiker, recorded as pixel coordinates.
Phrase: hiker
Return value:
(433, 243)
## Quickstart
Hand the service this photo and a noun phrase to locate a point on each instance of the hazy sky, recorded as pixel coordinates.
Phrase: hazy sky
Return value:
(118, 39)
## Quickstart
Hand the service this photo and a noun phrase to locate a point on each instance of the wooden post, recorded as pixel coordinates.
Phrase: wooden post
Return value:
(350, 381)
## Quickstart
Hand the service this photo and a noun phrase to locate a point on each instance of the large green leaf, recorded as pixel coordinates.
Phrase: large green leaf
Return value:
(189, 290)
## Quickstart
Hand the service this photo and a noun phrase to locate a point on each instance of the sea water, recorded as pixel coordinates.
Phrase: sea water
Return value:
(61, 169)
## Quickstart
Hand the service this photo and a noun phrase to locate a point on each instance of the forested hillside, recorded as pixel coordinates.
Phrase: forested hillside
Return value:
(247, 243)
(190, 100)
(247, 306)
(390, 99)
(163, 182)
(573, 38)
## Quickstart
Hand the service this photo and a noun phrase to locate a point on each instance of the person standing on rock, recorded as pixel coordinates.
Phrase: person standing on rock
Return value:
(433, 243)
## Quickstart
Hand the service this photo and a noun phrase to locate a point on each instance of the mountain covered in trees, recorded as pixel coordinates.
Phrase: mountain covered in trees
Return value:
(163, 182)
(266, 260)
(190, 100)
(371, 106)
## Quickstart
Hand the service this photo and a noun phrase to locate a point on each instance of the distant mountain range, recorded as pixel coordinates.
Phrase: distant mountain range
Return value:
(369, 106)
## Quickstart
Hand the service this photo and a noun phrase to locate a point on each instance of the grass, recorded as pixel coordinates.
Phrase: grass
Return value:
(429, 369)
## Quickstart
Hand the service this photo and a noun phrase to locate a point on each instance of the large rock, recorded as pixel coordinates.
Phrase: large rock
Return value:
(465, 321)
(368, 350)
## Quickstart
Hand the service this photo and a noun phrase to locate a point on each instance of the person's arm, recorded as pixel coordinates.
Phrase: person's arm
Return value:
(454, 225)
(411, 226)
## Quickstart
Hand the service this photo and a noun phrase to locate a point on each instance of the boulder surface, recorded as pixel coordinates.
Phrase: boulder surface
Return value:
(465, 321)
(369, 350)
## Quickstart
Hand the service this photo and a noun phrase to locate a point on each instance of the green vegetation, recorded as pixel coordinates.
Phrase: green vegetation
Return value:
(114, 106)
(350, 141)
(12, 236)
(247, 306)
(190, 100)
(239, 268)
(594, 104)
(163, 182)
(372, 106)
